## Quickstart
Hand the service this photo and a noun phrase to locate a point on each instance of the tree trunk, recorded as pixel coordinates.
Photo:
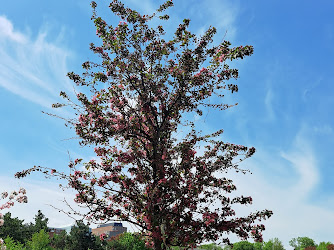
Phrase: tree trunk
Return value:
(157, 245)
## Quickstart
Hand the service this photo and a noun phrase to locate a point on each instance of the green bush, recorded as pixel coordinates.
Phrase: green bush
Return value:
(258, 245)
(211, 246)
(273, 244)
(128, 241)
(11, 244)
(323, 245)
(243, 245)
(39, 241)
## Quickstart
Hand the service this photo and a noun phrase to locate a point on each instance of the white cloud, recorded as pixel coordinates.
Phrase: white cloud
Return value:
(44, 195)
(218, 13)
(7, 31)
(41, 194)
(295, 214)
(33, 69)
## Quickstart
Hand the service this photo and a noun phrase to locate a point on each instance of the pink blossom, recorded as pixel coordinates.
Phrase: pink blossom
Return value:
(221, 58)
(102, 236)
(163, 180)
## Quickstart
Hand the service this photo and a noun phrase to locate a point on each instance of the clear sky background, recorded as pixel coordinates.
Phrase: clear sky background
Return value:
(285, 101)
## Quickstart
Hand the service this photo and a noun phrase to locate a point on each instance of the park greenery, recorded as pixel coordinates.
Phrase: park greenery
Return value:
(18, 235)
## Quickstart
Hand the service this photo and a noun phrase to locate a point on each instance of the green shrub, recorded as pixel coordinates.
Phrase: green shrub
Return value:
(39, 241)
(273, 244)
(258, 245)
(128, 241)
(243, 245)
(11, 244)
(211, 246)
(323, 245)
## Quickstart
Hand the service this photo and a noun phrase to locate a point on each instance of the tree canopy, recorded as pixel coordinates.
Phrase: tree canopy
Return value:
(142, 92)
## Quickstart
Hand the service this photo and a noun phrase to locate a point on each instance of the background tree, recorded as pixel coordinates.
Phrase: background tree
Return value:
(143, 90)
(81, 238)
(41, 222)
(302, 242)
(273, 244)
(258, 245)
(243, 245)
(14, 228)
(59, 240)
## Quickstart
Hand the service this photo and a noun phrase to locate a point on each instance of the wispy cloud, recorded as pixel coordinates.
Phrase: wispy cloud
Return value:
(268, 101)
(45, 195)
(295, 213)
(32, 68)
(303, 160)
(218, 13)
(7, 31)
(41, 194)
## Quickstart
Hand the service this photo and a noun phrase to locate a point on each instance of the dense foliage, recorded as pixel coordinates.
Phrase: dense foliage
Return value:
(15, 228)
(128, 241)
(80, 238)
(301, 242)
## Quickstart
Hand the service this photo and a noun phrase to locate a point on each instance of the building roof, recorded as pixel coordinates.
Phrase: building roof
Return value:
(114, 224)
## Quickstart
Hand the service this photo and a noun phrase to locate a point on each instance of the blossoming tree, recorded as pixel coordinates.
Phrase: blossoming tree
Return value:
(19, 196)
(143, 90)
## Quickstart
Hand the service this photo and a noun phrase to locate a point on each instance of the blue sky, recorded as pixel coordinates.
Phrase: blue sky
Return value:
(285, 100)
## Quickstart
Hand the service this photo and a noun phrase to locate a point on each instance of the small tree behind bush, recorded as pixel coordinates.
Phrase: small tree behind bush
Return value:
(243, 245)
(302, 242)
(273, 244)
(128, 241)
(40, 241)
(41, 222)
(211, 246)
(80, 237)
(59, 240)
(258, 245)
